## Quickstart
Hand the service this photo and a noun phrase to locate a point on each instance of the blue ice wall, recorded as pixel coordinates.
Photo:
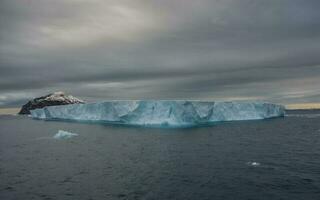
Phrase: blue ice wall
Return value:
(161, 113)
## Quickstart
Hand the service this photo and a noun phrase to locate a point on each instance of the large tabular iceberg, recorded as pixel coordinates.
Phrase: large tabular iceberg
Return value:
(161, 113)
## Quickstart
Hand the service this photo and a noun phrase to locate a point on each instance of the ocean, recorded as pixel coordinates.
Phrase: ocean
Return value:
(263, 159)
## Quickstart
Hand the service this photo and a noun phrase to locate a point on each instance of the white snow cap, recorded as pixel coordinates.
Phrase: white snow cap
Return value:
(61, 96)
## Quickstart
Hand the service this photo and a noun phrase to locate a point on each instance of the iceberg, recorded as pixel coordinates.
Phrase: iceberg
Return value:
(161, 113)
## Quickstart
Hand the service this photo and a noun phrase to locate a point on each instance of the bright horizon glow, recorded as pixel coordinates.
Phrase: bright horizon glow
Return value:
(302, 106)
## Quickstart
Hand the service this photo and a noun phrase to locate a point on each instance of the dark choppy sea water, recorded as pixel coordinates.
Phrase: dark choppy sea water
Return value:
(268, 159)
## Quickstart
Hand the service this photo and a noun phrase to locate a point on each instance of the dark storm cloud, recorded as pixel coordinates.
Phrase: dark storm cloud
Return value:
(160, 49)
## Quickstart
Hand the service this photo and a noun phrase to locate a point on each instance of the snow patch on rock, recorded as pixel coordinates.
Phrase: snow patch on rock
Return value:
(54, 99)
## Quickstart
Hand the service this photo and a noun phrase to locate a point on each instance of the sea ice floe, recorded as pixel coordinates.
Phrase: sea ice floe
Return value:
(64, 135)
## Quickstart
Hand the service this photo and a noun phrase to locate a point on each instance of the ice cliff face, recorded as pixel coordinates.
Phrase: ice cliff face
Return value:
(56, 98)
(161, 113)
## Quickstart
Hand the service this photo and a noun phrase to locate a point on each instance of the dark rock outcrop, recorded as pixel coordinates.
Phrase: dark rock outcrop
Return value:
(54, 99)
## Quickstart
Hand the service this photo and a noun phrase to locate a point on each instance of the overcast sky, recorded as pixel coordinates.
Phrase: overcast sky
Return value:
(160, 49)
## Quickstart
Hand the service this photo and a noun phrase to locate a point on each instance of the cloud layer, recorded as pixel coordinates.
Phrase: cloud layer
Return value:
(168, 49)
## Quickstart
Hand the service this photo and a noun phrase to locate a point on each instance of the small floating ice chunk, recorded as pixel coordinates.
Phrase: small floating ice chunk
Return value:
(64, 135)
(254, 164)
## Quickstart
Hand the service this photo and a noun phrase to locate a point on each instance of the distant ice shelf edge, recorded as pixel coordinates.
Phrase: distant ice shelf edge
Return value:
(161, 113)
